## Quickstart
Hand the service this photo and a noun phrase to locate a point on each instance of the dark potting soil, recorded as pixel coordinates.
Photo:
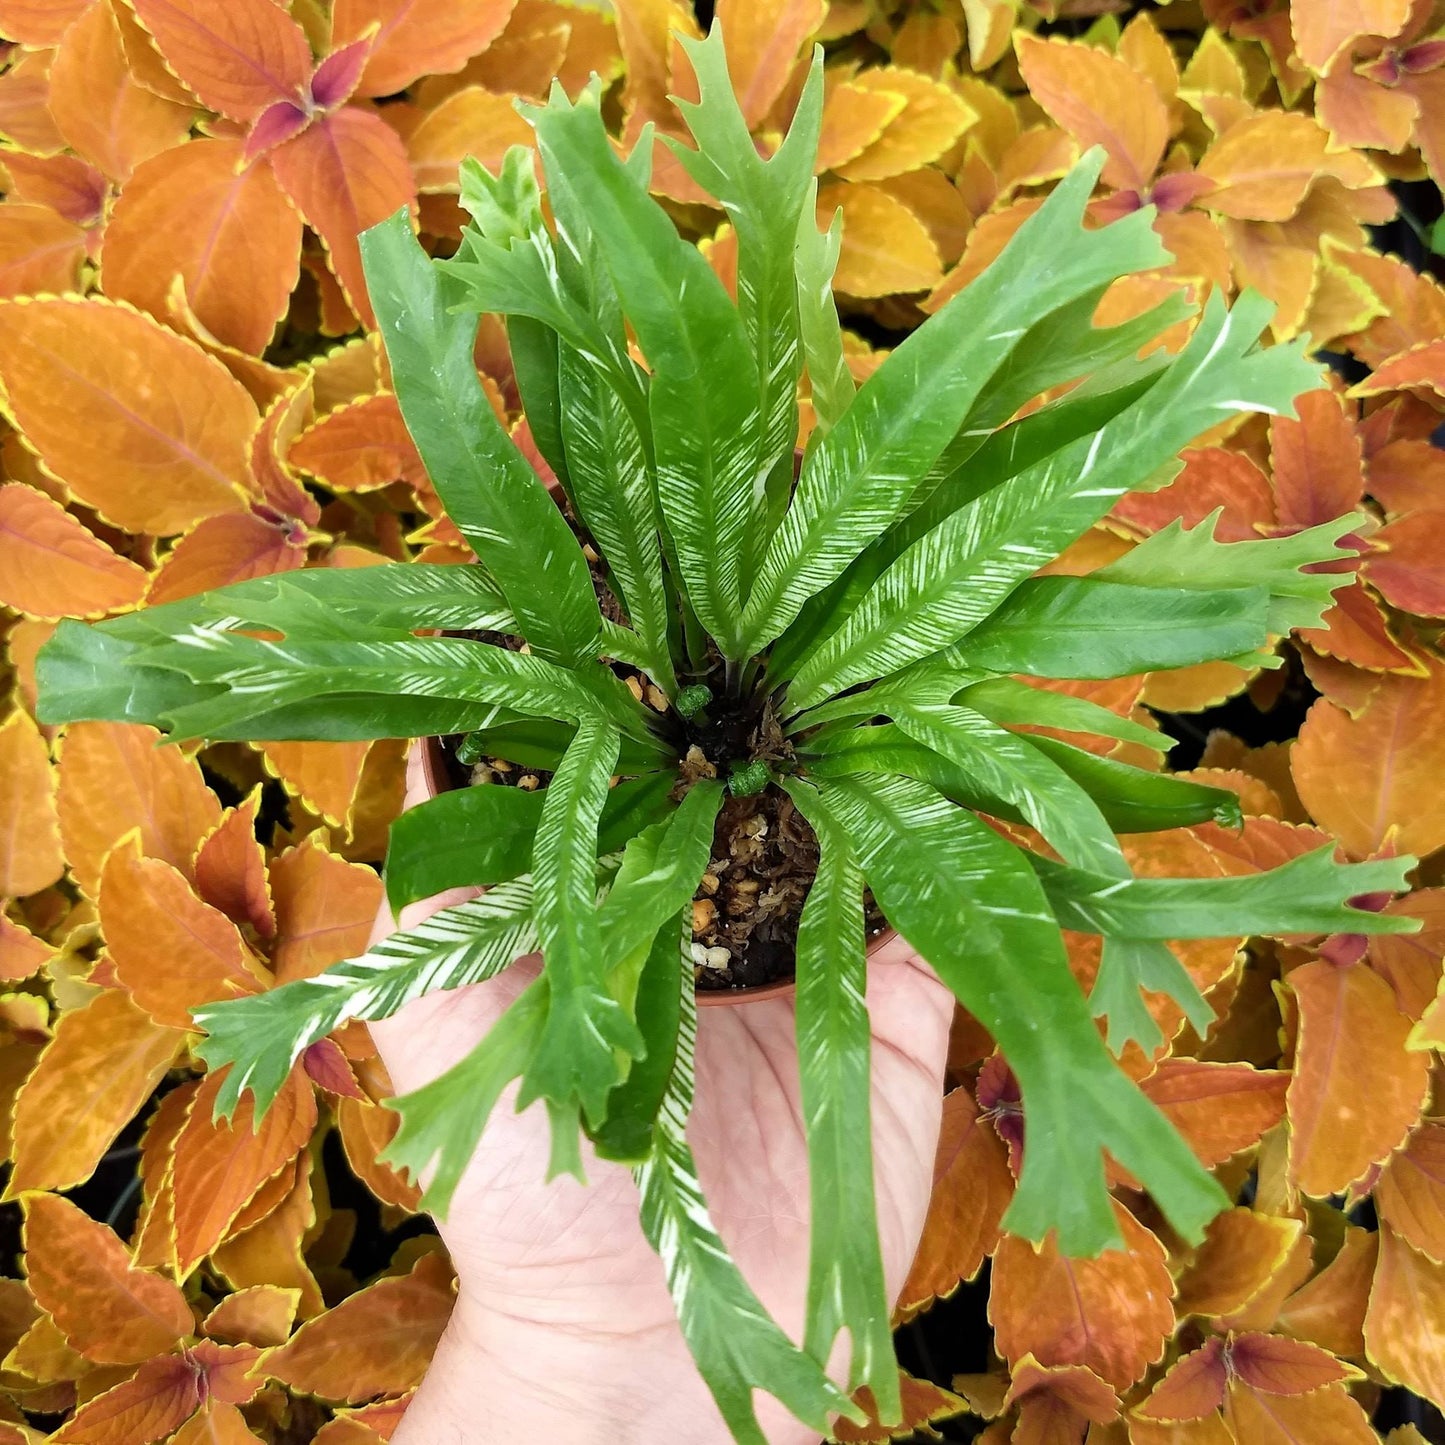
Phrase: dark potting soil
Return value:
(763, 860)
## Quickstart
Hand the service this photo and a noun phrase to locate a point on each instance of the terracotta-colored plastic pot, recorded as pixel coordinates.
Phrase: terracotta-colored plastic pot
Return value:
(438, 780)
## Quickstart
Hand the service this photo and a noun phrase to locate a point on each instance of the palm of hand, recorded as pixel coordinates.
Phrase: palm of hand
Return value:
(563, 1270)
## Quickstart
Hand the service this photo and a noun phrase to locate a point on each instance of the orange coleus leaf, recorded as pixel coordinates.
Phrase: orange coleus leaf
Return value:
(1407, 476)
(763, 39)
(39, 250)
(1112, 1313)
(98, 1069)
(218, 1167)
(1329, 1414)
(1057, 1403)
(325, 908)
(1322, 32)
(922, 1401)
(24, 103)
(42, 1355)
(359, 447)
(931, 119)
(1414, 305)
(1420, 368)
(153, 1238)
(1372, 777)
(238, 57)
(221, 550)
(366, 1129)
(1356, 632)
(171, 951)
(1099, 99)
(21, 952)
(1212, 478)
(114, 778)
(64, 183)
(346, 172)
(231, 869)
(262, 1315)
(38, 23)
(1411, 963)
(417, 37)
(1316, 461)
(81, 1275)
(1410, 1194)
(1192, 1389)
(469, 122)
(160, 1397)
(164, 442)
(106, 116)
(936, 201)
(853, 118)
(378, 1341)
(1287, 275)
(269, 1199)
(216, 1423)
(1243, 1251)
(224, 227)
(1219, 1108)
(886, 248)
(1406, 565)
(269, 1252)
(1405, 1322)
(1263, 165)
(1281, 1366)
(972, 1186)
(228, 1370)
(51, 566)
(1349, 1030)
(30, 856)
(1329, 1310)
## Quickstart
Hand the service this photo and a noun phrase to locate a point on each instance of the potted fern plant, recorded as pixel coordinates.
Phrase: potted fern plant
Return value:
(685, 646)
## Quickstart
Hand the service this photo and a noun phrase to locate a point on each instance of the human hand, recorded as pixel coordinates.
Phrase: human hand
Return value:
(564, 1331)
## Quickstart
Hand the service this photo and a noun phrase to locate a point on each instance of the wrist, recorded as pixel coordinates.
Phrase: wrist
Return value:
(496, 1380)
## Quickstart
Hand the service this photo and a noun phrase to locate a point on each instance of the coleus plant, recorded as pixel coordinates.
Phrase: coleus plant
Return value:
(877, 614)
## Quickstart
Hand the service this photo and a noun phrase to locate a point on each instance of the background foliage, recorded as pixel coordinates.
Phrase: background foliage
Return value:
(192, 397)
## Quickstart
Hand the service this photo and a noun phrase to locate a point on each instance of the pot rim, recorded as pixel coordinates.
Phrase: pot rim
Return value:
(434, 772)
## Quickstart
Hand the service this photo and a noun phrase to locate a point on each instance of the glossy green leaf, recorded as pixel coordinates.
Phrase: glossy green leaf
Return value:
(765, 200)
(845, 1265)
(736, 1345)
(628, 1133)
(703, 394)
(1128, 965)
(1306, 895)
(659, 874)
(1016, 704)
(262, 1035)
(815, 258)
(576, 1057)
(239, 675)
(1135, 801)
(951, 579)
(509, 264)
(1175, 557)
(442, 1122)
(863, 473)
(613, 491)
(975, 461)
(1010, 768)
(1080, 627)
(478, 836)
(489, 489)
(996, 944)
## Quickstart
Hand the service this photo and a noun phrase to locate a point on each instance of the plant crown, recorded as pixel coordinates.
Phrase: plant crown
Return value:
(881, 610)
